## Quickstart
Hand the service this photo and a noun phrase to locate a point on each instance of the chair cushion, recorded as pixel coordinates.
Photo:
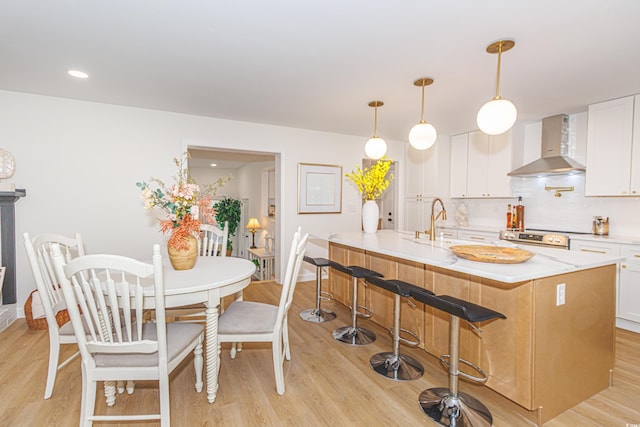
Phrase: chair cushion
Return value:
(247, 317)
(179, 335)
(66, 329)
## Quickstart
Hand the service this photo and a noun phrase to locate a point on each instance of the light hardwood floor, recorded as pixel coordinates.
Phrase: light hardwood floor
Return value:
(327, 383)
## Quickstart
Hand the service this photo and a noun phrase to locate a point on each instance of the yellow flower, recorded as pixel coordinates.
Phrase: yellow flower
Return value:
(371, 182)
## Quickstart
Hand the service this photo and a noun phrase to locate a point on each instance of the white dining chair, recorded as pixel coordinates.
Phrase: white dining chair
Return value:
(212, 241)
(105, 295)
(249, 321)
(38, 251)
(39, 254)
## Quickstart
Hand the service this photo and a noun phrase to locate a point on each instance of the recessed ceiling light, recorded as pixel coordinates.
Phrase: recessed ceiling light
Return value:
(213, 165)
(78, 74)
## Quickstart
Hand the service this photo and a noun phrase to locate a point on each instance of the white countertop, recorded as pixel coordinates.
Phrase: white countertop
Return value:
(403, 244)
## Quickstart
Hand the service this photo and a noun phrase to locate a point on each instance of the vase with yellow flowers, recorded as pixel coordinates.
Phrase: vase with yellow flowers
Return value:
(187, 205)
(371, 183)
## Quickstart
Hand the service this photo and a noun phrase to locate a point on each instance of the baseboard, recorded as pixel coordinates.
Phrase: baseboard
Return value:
(628, 325)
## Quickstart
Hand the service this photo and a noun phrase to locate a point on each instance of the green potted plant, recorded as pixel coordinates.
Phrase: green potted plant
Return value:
(229, 210)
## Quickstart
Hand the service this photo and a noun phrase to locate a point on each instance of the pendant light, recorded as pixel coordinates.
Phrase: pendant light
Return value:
(498, 115)
(375, 147)
(423, 135)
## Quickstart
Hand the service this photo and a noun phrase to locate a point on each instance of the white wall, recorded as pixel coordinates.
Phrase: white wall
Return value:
(205, 176)
(80, 161)
(252, 177)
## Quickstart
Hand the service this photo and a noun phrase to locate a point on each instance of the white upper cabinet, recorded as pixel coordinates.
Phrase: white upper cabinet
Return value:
(479, 165)
(421, 186)
(613, 148)
(421, 172)
(458, 166)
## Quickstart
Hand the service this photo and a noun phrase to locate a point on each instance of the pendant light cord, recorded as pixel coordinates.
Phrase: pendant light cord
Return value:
(375, 121)
(422, 113)
(498, 74)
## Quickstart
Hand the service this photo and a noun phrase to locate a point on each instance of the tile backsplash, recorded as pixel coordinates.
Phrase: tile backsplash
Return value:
(570, 212)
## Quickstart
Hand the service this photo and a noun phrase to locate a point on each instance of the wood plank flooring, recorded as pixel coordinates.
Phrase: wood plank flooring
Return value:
(327, 383)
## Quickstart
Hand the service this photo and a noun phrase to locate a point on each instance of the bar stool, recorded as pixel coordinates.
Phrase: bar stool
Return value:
(354, 334)
(448, 406)
(318, 314)
(393, 364)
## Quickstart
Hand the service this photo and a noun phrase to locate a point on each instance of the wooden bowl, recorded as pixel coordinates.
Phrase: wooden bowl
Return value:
(492, 254)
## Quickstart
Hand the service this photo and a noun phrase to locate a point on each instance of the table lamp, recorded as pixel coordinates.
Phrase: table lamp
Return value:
(253, 225)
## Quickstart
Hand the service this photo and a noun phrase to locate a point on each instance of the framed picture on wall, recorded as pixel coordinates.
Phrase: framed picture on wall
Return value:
(319, 188)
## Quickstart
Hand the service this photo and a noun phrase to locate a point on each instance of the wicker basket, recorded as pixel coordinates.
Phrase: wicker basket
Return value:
(62, 317)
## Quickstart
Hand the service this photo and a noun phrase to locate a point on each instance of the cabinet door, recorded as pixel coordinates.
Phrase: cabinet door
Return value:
(414, 171)
(478, 164)
(629, 287)
(430, 171)
(635, 149)
(594, 247)
(609, 138)
(458, 166)
(422, 171)
(499, 165)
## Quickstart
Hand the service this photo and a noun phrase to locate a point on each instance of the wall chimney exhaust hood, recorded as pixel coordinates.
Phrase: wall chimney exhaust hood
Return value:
(554, 159)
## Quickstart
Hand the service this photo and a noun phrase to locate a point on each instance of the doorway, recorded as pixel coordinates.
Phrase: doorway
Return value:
(247, 168)
(388, 201)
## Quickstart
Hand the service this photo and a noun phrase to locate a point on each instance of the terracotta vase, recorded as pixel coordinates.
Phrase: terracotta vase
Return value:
(184, 259)
(370, 214)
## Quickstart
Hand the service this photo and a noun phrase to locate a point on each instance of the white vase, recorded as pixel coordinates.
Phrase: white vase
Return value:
(370, 215)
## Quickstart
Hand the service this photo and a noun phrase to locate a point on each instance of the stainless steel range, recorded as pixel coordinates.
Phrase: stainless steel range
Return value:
(553, 239)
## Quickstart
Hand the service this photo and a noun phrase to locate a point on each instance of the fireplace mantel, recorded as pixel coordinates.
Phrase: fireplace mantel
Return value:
(8, 200)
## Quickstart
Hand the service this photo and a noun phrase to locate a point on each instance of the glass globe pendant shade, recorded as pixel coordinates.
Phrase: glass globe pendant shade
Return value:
(375, 148)
(497, 116)
(422, 136)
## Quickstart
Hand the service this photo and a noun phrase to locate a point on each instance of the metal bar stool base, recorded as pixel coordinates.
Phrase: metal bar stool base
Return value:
(354, 336)
(402, 368)
(317, 316)
(439, 404)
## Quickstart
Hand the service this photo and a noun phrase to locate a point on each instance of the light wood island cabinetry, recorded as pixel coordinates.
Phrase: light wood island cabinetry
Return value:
(545, 357)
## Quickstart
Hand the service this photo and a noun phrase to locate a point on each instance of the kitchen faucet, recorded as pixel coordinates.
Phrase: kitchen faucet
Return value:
(443, 212)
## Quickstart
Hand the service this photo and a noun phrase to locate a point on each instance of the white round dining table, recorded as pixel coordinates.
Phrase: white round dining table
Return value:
(207, 282)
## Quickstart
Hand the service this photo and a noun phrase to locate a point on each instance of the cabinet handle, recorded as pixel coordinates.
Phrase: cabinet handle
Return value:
(633, 192)
(594, 251)
(476, 238)
(636, 256)
(623, 266)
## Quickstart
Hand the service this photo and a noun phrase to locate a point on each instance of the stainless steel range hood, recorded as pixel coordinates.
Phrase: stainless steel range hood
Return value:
(554, 160)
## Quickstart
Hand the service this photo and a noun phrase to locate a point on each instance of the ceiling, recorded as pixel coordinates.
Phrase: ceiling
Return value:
(317, 64)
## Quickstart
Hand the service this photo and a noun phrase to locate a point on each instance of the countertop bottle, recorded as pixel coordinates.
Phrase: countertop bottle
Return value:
(509, 221)
(520, 215)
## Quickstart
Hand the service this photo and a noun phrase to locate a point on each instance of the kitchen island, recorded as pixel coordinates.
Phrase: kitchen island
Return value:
(546, 356)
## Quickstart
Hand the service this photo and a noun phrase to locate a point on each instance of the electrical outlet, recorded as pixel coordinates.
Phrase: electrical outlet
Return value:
(560, 294)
